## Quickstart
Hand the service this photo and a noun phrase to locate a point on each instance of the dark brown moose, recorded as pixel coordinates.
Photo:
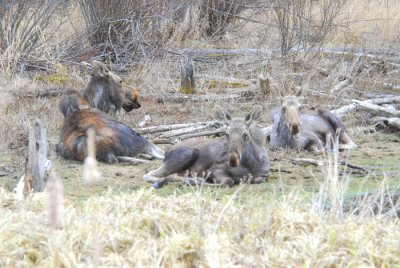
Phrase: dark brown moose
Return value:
(306, 130)
(108, 92)
(112, 138)
(239, 155)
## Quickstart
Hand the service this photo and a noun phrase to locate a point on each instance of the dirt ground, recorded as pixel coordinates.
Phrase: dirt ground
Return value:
(377, 152)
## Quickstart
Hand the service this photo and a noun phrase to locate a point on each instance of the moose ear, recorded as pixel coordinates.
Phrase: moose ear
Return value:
(298, 92)
(254, 115)
(100, 69)
(222, 114)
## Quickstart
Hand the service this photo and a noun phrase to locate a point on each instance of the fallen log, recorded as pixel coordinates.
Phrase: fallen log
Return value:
(376, 109)
(342, 111)
(163, 128)
(189, 130)
(202, 134)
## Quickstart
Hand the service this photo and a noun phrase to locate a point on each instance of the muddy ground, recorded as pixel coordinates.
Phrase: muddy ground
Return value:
(377, 152)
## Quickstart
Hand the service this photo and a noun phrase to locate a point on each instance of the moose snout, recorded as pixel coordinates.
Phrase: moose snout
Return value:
(234, 159)
(295, 129)
(130, 106)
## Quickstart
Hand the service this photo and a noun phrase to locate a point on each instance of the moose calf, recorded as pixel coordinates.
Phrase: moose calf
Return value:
(240, 154)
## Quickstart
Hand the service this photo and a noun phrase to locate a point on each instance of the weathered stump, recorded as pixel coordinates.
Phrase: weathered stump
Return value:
(187, 76)
(265, 86)
(35, 166)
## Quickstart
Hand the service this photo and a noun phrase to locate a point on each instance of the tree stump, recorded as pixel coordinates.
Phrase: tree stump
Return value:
(265, 86)
(35, 166)
(187, 76)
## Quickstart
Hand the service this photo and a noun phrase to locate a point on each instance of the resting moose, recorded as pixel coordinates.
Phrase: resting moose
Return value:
(305, 130)
(112, 138)
(108, 92)
(240, 154)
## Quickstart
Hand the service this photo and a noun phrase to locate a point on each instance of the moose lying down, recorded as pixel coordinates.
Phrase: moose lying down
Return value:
(240, 154)
(306, 130)
(108, 92)
(112, 138)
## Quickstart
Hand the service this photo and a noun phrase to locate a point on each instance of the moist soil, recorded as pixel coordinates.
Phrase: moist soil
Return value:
(378, 153)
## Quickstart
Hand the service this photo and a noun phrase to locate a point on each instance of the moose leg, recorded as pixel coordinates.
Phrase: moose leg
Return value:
(176, 161)
(222, 178)
(345, 142)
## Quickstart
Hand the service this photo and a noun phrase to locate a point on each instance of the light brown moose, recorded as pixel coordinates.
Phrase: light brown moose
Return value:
(108, 92)
(239, 155)
(306, 130)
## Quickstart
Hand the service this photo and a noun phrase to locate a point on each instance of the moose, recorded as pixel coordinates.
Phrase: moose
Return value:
(108, 92)
(293, 128)
(239, 155)
(112, 138)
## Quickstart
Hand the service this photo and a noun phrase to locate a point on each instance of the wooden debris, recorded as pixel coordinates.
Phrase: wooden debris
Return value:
(132, 160)
(376, 109)
(393, 122)
(319, 163)
(204, 133)
(35, 168)
(187, 76)
(342, 111)
(163, 128)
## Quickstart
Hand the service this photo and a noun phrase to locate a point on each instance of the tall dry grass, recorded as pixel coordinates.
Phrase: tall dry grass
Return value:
(143, 229)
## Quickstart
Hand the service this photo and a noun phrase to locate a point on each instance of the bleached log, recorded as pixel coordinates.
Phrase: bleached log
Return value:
(342, 111)
(202, 134)
(163, 128)
(394, 122)
(189, 130)
(376, 109)
(132, 160)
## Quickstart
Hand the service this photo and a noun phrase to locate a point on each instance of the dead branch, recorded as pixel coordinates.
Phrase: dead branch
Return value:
(319, 163)
(132, 160)
(307, 161)
(162, 141)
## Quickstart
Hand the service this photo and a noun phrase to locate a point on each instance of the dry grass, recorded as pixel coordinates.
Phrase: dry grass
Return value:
(144, 229)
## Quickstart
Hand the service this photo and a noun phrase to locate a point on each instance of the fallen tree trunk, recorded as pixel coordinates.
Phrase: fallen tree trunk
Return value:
(184, 131)
(342, 111)
(376, 109)
(204, 133)
(163, 128)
